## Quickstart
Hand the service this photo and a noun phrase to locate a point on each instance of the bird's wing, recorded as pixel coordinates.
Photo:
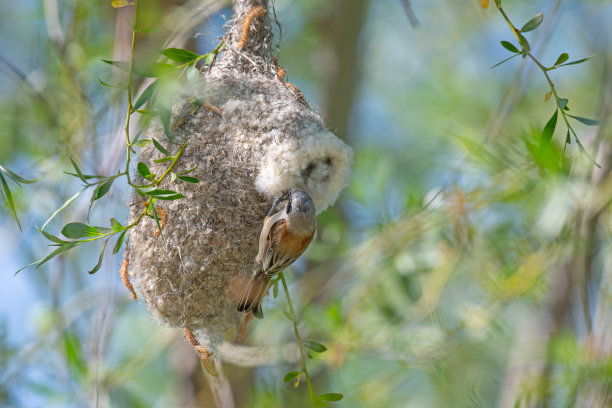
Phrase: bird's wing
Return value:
(265, 231)
(274, 258)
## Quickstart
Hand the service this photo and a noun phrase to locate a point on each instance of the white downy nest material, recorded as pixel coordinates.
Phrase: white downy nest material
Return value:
(263, 139)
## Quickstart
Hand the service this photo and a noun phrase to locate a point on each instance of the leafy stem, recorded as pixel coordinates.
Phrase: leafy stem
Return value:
(130, 109)
(300, 343)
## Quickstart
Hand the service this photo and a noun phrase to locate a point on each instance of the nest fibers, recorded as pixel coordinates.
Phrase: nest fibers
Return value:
(251, 136)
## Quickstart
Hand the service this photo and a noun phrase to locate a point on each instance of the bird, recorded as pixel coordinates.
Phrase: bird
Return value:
(285, 235)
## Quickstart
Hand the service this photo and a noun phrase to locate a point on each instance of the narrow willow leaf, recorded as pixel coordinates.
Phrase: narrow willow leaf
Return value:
(568, 138)
(188, 179)
(315, 347)
(501, 62)
(144, 189)
(52, 237)
(77, 170)
(332, 396)
(580, 61)
(291, 375)
(96, 268)
(164, 116)
(151, 70)
(145, 96)
(275, 291)
(116, 225)
(76, 230)
(180, 55)
(524, 43)
(164, 159)
(53, 254)
(8, 197)
(509, 46)
(112, 86)
(143, 169)
(562, 58)
(141, 143)
(161, 148)
(102, 189)
(187, 171)
(586, 121)
(549, 130)
(15, 177)
(165, 194)
(119, 242)
(562, 103)
(156, 218)
(533, 23)
(66, 204)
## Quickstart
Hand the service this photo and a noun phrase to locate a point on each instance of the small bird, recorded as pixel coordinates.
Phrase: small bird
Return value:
(284, 237)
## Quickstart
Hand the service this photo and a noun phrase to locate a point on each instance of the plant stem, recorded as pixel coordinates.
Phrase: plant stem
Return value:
(298, 339)
(129, 91)
(169, 169)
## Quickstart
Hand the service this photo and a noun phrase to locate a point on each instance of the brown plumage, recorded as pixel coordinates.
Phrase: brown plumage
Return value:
(284, 237)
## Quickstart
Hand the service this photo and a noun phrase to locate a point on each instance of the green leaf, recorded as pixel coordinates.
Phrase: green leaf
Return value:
(112, 86)
(102, 189)
(275, 290)
(501, 62)
(156, 217)
(52, 237)
(145, 96)
(15, 177)
(62, 248)
(586, 121)
(151, 70)
(161, 148)
(533, 23)
(568, 138)
(76, 230)
(580, 61)
(188, 179)
(116, 225)
(524, 43)
(291, 375)
(100, 258)
(509, 46)
(8, 197)
(562, 58)
(187, 171)
(165, 194)
(144, 189)
(164, 116)
(180, 55)
(74, 354)
(562, 103)
(77, 170)
(549, 129)
(143, 169)
(332, 396)
(141, 143)
(164, 159)
(119, 242)
(66, 204)
(315, 347)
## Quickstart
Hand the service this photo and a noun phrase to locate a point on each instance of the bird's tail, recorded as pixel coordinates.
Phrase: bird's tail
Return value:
(253, 294)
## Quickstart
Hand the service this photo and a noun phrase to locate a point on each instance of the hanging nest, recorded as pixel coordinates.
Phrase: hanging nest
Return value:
(250, 136)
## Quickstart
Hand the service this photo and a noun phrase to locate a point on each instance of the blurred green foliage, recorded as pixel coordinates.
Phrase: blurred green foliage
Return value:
(467, 264)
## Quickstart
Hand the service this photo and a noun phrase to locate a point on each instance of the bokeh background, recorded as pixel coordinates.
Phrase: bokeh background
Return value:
(459, 268)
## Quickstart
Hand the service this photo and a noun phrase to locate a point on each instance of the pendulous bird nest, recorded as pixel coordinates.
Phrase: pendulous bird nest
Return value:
(251, 135)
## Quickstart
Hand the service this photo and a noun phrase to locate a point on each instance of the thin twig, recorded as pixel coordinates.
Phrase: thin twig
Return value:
(298, 339)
